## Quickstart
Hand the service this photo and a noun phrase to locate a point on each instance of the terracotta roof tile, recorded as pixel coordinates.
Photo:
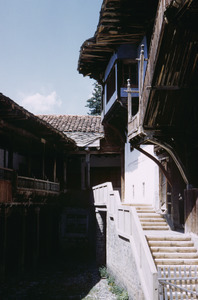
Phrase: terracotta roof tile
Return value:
(69, 123)
(86, 131)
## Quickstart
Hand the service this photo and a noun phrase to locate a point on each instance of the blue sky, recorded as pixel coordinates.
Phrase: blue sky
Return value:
(40, 44)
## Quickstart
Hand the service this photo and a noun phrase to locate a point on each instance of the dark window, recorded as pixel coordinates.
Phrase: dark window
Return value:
(135, 105)
(99, 175)
(110, 84)
(74, 173)
(130, 71)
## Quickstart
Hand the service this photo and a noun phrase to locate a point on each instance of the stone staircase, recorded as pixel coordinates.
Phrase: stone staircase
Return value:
(174, 254)
(150, 220)
(172, 250)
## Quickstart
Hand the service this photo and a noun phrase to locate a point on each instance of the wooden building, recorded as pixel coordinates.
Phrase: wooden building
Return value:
(31, 180)
(154, 44)
(95, 160)
(48, 165)
(144, 54)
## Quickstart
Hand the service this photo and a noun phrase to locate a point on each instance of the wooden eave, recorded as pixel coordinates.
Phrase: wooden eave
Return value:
(120, 22)
(172, 104)
(14, 118)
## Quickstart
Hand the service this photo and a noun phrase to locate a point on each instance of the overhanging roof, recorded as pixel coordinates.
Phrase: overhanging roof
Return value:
(120, 22)
(14, 118)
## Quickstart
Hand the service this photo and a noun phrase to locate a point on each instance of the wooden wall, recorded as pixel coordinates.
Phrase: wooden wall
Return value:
(5, 191)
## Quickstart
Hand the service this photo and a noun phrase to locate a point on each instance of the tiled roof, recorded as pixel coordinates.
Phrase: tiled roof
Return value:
(86, 131)
(70, 123)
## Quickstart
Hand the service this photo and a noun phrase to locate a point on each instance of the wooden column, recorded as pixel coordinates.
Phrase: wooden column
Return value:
(37, 210)
(29, 163)
(54, 171)
(23, 242)
(65, 175)
(83, 173)
(88, 169)
(3, 246)
(43, 158)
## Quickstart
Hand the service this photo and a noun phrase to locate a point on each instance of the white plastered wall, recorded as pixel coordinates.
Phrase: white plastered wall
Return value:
(141, 177)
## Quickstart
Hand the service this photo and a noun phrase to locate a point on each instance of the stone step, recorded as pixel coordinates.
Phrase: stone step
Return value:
(137, 204)
(189, 255)
(144, 211)
(186, 269)
(153, 220)
(173, 249)
(176, 261)
(149, 216)
(173, 274)
(153, 223)
(169, 238)
(181, 295)
(165, 227)
(170, 243)
(186, 285)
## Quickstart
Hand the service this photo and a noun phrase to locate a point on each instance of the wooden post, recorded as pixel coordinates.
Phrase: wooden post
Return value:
(88, 169)
(83, 169)
(43, 158)
(4, 214)
(141, 70)
(65, 175)
(22, 254)
(37, 210)
(54, 171)
(141, 60)
(129, 92)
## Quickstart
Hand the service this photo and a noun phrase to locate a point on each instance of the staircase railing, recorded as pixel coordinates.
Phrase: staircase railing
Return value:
(183, 284)
(128, 226)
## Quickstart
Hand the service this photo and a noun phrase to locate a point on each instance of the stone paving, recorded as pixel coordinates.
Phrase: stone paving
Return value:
(59, 281)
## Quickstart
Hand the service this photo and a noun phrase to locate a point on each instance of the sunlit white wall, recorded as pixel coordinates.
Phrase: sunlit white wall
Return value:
(141, 177)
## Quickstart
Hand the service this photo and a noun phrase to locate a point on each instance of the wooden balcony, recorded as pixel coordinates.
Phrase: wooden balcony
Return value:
(36, 185)
(136, 133)
(11, 185)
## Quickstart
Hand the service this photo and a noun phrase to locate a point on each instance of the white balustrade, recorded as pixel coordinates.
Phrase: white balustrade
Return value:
(128, 226)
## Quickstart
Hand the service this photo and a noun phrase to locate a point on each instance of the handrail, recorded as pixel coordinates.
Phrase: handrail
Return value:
(128, 225)
(186, 283)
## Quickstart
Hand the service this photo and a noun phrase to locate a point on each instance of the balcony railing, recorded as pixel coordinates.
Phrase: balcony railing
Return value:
(37, 184)
(27, 183)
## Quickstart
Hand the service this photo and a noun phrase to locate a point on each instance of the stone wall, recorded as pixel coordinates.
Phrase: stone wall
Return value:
(121, 262)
